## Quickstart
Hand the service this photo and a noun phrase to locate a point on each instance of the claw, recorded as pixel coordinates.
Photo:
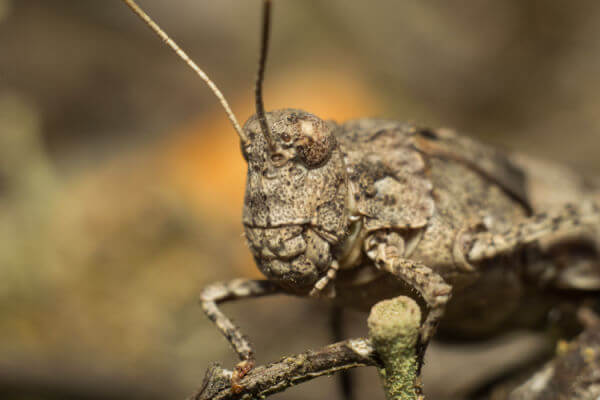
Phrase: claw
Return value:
(240, 371)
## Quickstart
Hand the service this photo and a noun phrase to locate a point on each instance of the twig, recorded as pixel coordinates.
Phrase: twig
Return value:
(573, 374)
(393, 327)
(268, 379)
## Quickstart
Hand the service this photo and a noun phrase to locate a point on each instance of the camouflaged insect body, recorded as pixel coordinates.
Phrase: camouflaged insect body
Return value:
(372, 209)
(335, 192)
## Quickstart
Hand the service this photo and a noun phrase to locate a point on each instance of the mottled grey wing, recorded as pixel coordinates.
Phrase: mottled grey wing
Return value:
(486, 160)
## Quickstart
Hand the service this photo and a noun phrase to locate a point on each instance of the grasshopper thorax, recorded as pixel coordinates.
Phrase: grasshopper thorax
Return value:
(295, 212)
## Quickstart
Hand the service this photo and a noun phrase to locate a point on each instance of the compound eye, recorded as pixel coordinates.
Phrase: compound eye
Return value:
(316, 144)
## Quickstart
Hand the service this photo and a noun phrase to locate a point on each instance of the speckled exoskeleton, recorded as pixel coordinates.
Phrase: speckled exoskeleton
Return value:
(370, 209)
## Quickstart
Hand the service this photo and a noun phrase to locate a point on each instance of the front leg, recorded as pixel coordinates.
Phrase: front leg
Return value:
(236, 289)
(430, 285)
(386, 251)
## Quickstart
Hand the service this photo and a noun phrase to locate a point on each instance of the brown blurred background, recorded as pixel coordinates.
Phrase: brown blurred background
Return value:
(121, 182)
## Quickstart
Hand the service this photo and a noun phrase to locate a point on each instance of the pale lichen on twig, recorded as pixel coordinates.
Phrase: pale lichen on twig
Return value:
(394, 330)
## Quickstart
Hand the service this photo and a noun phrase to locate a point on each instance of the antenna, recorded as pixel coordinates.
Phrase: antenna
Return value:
(148, 21)
(264, 47)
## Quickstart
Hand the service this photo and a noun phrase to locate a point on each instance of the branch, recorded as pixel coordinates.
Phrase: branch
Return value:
(393, 328)
(573, 374)
(268, 379)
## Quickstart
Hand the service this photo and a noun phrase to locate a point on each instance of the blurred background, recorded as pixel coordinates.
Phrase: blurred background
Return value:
(121, 181)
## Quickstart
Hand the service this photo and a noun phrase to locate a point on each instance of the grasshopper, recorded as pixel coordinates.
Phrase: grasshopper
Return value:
(369, 209)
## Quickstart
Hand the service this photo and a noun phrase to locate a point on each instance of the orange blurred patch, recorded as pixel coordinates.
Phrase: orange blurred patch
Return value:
(204, 162)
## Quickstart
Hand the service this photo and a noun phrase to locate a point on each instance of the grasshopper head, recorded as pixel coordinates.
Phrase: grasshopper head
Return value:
(295, 203)
(295, 206)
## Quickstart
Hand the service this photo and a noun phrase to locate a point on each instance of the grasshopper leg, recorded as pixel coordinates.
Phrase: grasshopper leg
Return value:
(236, 289)
(561, 222)
(431, 286)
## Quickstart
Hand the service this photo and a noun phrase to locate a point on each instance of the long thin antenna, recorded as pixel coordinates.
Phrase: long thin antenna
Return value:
(264, 47)
(157, 29)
